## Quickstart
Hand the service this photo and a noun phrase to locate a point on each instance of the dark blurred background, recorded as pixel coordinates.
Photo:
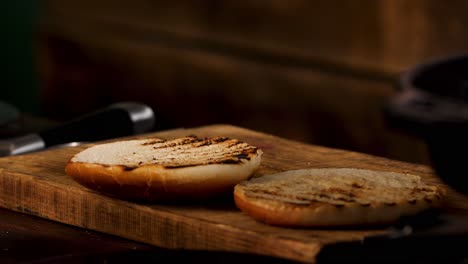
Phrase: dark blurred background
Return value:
(314, 71)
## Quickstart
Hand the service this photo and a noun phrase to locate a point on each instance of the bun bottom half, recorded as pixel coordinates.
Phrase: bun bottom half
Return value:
(322, 214)
(331, 197)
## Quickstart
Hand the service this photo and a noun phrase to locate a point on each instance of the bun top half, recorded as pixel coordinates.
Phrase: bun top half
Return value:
(157, 169)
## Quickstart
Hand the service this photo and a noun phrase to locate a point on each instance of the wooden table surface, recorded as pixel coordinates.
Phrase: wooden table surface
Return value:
(29, 239)
(36, 185)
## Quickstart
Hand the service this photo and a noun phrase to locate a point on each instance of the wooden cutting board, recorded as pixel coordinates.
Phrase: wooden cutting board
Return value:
(36, 184)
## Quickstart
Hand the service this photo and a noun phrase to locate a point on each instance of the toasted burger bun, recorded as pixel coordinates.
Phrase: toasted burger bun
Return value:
(156, 169)
(334, 197)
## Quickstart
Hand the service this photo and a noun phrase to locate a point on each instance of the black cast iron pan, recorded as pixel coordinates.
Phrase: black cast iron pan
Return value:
(432, 103)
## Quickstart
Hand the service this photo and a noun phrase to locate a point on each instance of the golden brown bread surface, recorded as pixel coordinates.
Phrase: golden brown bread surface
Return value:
(335, 197)
(156, 169)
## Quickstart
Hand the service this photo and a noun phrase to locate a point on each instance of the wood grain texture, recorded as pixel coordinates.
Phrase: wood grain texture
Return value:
(196, 87)
(28, 239)
(36, 184)
(381, 36)
(335, 61)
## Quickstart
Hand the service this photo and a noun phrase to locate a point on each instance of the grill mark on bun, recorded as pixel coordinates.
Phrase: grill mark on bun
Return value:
(357, 185)
(335, 197)
(177, 153)
(140, 169)
(153, 141)
(342, 189)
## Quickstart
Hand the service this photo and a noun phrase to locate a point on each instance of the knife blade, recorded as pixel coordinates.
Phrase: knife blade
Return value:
(116, 120)
(431, 237)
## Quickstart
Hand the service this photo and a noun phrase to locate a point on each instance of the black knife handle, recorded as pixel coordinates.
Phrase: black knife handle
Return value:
(117, 120)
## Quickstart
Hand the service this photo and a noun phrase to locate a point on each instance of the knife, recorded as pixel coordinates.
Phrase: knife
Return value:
(431, 237)
(116, 120)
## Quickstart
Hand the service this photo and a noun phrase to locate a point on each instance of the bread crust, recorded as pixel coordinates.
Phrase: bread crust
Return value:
(321, 214)
(157, 182)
